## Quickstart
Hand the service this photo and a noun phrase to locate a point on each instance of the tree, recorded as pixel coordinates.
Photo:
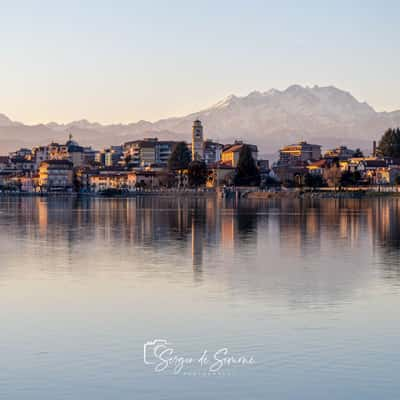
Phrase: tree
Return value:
(333, 174)
(358, 154)
(313, 180)
(349, 178)
(179, 159)
(197, 172)
(247, 172)
(269, 181)
(389, 145)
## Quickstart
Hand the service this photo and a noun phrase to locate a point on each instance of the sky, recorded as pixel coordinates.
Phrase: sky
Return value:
(123, 61)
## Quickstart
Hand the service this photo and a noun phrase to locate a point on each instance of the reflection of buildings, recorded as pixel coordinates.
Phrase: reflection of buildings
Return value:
(207, 228)
(197, 244)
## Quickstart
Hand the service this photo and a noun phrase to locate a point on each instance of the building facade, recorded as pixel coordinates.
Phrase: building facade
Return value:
(144, 153)
(212, 152)
(301, 151)
(230, 154)
(341, 153)
(56, 175)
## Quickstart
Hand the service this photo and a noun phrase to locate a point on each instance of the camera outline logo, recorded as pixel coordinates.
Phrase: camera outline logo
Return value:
(151, 349)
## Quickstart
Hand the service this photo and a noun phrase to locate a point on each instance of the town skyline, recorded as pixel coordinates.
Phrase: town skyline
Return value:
(157, 166)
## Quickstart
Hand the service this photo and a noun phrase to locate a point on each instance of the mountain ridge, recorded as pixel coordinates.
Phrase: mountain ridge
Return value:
(325, 114)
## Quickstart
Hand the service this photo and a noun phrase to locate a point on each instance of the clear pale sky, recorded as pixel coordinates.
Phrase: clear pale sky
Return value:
(121, 61)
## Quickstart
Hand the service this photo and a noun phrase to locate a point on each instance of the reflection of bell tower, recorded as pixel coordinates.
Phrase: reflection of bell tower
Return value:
(197, 245)
(197, 141)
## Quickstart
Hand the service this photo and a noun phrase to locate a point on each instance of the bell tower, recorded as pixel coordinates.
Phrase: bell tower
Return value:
(197, 141)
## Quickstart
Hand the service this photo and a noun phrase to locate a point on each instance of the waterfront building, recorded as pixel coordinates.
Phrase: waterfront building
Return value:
(105, 181)
(40, 154)
(387, 175)
(317, 167)
(341, 153)
(57, 151)
(301, 151)
(24, 183)
(100, 157)
(164, 149)
(149, 151)
(370, 164)
(289, 174)
(56, 175)
(230, 153)
(81, 175)
(212, 151)
(220, 174)
(113, 156)
(21, 164)
(139, 153)
(89, 155)
(22, 153)
(197, 141)
(146, 179)
(75, 153)
(128, 181)
(4, 161)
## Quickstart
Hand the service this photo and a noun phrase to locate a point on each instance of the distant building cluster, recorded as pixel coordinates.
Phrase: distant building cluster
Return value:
(144, 164)
(303, 164)
(130, 166)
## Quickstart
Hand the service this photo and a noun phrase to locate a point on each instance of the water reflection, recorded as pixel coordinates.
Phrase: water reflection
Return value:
(322, 243)
(308, 287)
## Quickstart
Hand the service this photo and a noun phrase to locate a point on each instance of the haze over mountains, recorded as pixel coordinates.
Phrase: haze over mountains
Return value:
(325, 115)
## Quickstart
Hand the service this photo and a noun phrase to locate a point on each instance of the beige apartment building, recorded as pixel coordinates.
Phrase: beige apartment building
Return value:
(56, 175)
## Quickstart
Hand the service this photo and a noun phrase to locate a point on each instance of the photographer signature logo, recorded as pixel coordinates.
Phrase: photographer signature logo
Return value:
(162, 357)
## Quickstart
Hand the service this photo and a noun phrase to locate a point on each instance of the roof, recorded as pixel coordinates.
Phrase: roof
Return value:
(318, 164)
(170, 142)
(142, 143)
(108, 176)
(298, 145)
(209, 143)
(374, 163)
(20, 159)
(57, 163)
(147, 144)
(144, 173)
(72, 143)
(220, 165)
(237, 147)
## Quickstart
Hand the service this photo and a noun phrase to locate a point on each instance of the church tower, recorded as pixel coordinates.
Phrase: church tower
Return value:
(197, 141)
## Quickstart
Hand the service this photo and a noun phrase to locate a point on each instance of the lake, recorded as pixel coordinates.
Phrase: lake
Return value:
(199, 298)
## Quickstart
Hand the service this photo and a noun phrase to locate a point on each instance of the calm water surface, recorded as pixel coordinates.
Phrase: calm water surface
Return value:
(309, 289)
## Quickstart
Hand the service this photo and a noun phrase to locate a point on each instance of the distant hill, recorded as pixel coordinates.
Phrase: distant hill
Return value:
(325, 115)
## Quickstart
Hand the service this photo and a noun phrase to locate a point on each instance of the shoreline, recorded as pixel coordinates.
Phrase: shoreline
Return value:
(345, 194)
(240, 193)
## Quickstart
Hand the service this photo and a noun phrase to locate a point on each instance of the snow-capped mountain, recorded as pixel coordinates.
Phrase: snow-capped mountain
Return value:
(6, 122)
(325, 115)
